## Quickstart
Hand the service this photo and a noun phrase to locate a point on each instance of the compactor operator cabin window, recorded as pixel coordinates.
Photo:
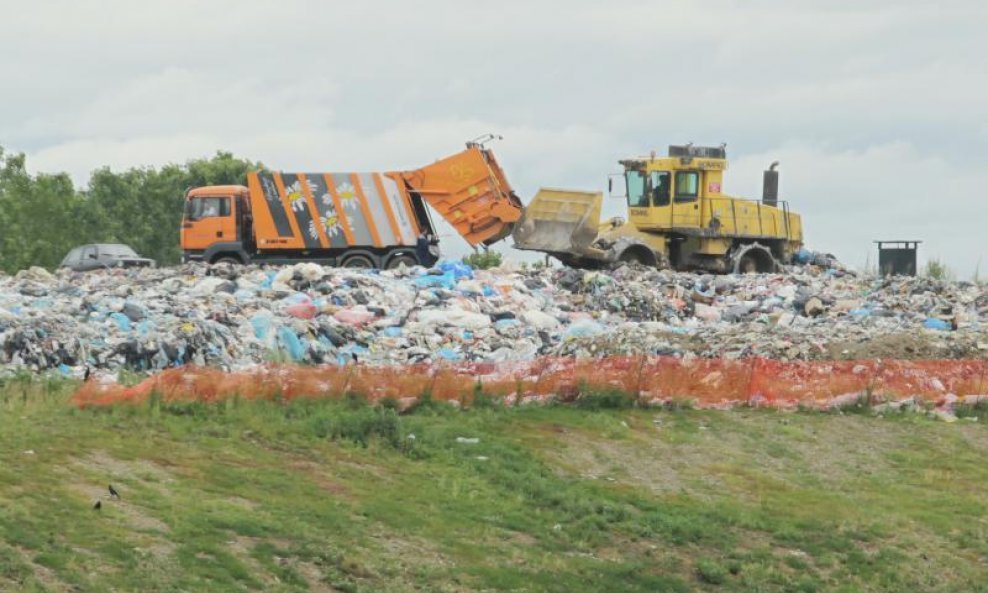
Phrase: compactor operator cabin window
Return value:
(199, 208)
(687, 186)
(659, 184)
(637, 198)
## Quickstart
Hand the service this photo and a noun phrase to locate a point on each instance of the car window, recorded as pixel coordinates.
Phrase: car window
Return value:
(72, 257)
(110, 251)
(87, 252)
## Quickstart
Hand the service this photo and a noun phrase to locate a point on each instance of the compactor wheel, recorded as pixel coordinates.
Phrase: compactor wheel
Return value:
(630, 256)
(753, 258)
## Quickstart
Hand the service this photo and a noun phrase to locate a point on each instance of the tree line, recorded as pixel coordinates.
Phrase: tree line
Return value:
(43, 216)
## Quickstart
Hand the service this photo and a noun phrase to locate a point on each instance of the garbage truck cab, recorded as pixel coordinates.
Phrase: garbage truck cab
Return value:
(215, 223)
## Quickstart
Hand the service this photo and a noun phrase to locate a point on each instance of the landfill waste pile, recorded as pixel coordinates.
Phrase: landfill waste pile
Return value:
(233, 317)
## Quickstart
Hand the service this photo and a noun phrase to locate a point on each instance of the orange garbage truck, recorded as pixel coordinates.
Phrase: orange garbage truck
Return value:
(366, 220)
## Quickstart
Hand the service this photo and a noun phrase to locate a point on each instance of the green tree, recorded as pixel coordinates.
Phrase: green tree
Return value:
(142, 207)
(39, 215)
(483, 260)
(43, 216)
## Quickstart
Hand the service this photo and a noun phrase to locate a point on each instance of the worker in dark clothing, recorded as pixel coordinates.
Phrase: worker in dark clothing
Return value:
(423, 250)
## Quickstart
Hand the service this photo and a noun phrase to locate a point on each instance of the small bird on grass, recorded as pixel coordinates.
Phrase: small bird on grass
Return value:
(98, 505)
(353, 355)
(113, 492)
(85, 376)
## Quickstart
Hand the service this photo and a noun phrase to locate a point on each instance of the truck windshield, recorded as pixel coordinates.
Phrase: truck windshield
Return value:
(199, 208)
(636, 189)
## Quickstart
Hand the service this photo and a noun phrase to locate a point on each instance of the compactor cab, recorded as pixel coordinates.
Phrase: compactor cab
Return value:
(669, 193)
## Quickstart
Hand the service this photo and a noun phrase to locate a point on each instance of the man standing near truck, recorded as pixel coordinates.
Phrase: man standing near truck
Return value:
(423, 249)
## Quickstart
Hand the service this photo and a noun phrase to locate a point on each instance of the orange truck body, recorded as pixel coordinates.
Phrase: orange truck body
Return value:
(359, 219)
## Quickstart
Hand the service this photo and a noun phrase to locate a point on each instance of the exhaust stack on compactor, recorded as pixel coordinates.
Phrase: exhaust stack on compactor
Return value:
(770, 185)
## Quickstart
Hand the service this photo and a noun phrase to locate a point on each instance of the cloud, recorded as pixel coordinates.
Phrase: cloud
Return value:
(854, 98)
(850, 198)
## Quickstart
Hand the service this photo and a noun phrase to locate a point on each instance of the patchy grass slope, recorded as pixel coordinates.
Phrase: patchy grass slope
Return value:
(338, 496)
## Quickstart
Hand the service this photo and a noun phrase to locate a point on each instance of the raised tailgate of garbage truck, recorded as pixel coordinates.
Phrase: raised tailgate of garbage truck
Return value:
(470, 191)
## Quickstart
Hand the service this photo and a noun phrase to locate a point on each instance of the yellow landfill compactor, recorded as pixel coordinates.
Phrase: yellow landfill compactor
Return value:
(677, 216)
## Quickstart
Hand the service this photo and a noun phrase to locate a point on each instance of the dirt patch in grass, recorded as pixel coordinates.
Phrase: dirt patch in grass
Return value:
(314, 576)
(319, 474)
(660, 466)
(136, 517)
(242, 502)
(120, 468)
(410, 551)
(713, 454)
(120, 471)
(44, 575)
(243, 547)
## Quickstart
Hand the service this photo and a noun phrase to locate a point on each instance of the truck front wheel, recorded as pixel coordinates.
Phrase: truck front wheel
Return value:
(228, 259)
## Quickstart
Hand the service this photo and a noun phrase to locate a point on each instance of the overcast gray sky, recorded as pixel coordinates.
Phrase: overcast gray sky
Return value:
(878, 111)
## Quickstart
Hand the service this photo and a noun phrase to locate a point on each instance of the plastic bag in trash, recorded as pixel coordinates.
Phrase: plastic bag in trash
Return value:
(458, 268)
(445, 280)
(803, 256)
(261, 324)
(290, 343)
(583, 328)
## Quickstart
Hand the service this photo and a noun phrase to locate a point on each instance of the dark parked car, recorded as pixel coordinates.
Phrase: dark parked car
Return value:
(104, 255)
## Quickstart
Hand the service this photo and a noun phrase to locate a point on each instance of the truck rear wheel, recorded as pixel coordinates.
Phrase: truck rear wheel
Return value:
(358, 261)
(402, 258)
(228, 259)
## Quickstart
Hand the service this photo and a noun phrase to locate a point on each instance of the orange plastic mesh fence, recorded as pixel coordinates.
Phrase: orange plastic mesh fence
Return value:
(709, 382)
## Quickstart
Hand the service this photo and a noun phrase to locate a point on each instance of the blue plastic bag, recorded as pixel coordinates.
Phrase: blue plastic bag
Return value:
(391, 332)
(803, 256)
(448, 354)
(447, 280)
(269, 280)
(291, 343)
(261, 322)
(458, 268)
(122, 321)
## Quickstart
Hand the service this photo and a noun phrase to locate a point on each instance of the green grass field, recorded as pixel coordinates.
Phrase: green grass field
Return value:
(337, 496)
